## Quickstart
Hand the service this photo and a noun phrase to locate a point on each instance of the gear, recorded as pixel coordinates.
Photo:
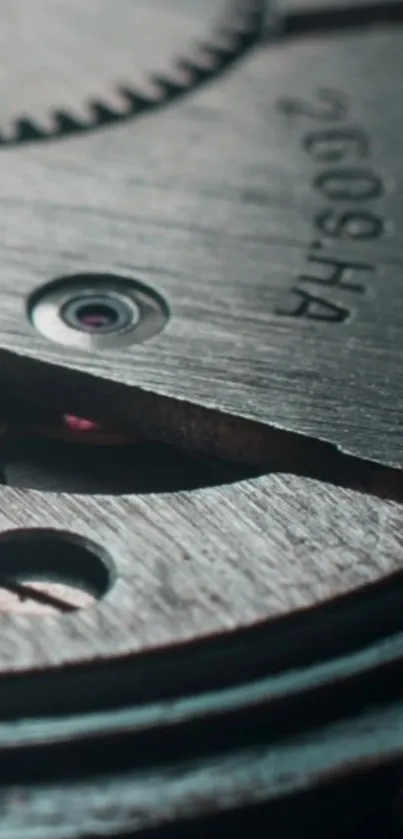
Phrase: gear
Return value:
(47, 51)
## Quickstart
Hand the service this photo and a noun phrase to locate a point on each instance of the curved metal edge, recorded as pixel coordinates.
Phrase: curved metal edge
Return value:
(252, 14)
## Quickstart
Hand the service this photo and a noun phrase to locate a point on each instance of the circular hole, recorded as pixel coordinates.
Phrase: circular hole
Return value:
(105, 313)
(96, 316)
(93, 316)
(97, 311)
(48, 572)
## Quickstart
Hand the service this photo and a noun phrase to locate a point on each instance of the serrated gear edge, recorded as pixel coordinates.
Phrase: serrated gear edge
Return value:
(230, 42)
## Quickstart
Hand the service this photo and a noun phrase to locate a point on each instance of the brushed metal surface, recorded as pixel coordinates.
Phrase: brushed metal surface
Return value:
(192, 563)
(58, 55)
(213, 203)
(70, 67)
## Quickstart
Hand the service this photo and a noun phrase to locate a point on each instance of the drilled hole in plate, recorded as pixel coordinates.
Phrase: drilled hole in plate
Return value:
(94, 311)
(48, 572)
(105, 313)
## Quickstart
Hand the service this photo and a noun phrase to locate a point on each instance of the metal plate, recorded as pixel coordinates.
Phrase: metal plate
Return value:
(268, 548)
(256, 713)
(214, 651)
(223, 206)
(54, 67)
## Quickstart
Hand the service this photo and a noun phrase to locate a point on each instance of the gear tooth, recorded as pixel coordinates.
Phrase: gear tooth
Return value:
(220, 56)
(65, 123)
(197, 73)
(243, 29)
(103, 115)
(168, 88)
(136, 102)
(26, 131)
(206, 62)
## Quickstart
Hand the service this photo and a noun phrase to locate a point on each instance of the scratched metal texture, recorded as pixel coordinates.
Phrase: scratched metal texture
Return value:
(189, 564)
(212, 203)
(123, 742)
(51, 76)
(53, 55)
(240, 657)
